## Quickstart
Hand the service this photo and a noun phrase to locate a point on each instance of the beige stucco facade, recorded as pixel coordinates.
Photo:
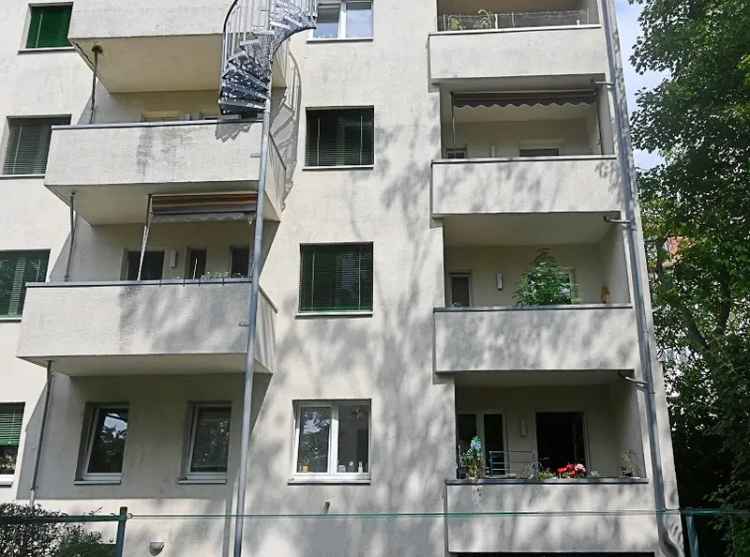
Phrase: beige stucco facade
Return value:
(165, 345)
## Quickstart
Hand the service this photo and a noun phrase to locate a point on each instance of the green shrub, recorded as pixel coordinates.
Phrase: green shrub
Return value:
(545, 284)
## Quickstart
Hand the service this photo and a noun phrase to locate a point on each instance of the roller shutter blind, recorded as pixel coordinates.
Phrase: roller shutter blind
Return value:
(11, 419)
(340, 137)
(28, 144)
(336, 277)
(16, 269)
(49, 27)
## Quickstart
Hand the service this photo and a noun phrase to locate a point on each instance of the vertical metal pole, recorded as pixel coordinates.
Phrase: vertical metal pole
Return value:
(144, 240)
(453, 120)
(120, 539)
(40, 442)
(72, 240)
(692, 535)
(253, 311)
(97, 50)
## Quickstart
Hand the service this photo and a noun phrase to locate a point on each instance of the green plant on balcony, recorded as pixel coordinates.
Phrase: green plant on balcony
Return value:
(472, 459)
(546, 284)
(454, 23)
(486, 20)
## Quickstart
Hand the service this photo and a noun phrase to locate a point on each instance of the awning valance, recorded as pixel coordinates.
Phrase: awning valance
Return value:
(524, 98)
(203, 207)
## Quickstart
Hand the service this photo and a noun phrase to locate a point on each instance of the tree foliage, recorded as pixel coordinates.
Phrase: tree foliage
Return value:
(697, 215)
(545, 284)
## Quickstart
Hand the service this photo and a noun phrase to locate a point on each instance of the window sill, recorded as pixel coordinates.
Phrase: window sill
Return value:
(6, 480)
(332, 314)
(46, 49)
(343, 167)
(329, 480)
(341, 40)
(10, 320)
(21, 176)
(202, 481)
(97, 482)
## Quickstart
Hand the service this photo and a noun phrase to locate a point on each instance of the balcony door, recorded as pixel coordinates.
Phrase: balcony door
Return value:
(560, 439)
(489, 426)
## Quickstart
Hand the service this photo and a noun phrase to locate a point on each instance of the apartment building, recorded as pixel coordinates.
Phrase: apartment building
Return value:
(422, 153)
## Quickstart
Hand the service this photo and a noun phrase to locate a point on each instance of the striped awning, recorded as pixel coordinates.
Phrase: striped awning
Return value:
(523, 98)
(203, 207)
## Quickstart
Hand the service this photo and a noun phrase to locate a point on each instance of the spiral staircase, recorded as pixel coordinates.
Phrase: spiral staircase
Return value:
(253, 31)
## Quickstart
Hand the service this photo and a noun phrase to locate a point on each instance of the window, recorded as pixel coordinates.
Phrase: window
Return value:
(208, 450)
(336, 277)
(560, 439)
(240, 266)
(49, 27)
(333, 439)
(17, 268)
(196, 263)
(342, 137)
(489, 427)
(460, 290)
(344, 19)
(105, 443)
(28, 144)
(11, 420)
(540, 152)
(153, 265)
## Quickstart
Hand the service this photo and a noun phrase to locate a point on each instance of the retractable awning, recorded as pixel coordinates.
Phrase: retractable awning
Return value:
(524, 98)
(200, 207)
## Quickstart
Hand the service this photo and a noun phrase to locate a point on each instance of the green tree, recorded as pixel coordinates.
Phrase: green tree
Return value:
(697, 214)
(545, 284)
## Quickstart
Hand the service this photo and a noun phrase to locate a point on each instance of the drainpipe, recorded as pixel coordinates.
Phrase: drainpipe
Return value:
(72, 241)
(638, 266)
(252, 312)
(97, 50)
(40, 441)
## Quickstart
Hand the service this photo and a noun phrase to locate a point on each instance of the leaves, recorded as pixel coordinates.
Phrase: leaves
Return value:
(545, 284)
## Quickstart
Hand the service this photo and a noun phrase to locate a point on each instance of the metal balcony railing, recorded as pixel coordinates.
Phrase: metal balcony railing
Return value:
(508, 20)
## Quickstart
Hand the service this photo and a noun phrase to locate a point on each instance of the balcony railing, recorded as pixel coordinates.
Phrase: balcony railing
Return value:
(510, 20)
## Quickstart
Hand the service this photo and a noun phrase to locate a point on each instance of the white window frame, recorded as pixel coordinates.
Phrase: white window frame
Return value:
(193, 429)
(94, 418)
(333, 442)
(342, 30)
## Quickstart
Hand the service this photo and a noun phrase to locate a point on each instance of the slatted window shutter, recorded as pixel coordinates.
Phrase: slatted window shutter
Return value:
(336, 278)
(11, 419)
(49, 27)
(340, 137)
(28, 144)
(17, 268)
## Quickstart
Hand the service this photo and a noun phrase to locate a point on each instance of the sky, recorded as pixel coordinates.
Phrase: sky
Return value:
(627, 21)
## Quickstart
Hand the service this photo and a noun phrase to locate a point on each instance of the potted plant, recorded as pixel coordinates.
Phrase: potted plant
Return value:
(472, 459)
(545, 284)
(572, 471)
(486, 20)
(628, 466)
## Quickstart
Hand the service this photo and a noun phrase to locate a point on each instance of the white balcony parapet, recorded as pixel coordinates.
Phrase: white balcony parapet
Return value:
(550, 338)
(527, 185)
(576, 516)
(169, 326)
(532, 51)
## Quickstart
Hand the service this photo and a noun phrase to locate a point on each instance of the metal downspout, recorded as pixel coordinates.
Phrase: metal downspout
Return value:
(72, 241)
(252, 314)
(144, 240)
(638, 264)
(40, 441)
(97, 50)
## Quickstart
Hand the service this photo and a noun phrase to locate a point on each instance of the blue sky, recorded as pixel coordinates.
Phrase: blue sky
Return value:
(627, 20)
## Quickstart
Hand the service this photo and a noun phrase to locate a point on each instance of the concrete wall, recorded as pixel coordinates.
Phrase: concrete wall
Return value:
(526, 185)
(527, 52)
(561, 338)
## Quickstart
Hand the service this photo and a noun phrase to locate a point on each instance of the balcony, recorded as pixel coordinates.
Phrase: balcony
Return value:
(157, 327)
(112, 168)
(540, 39)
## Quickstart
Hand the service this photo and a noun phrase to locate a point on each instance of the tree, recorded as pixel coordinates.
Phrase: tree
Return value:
(697, 214)
(545, 284)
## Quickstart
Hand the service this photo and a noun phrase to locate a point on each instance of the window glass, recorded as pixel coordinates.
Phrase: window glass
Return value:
(353, 440)
(17, 268)
(340, 137)
(328, 21)
(314, 437)
(28, 144)
(240, 262)
(494, 444)
(210, 439)
(541, 152)
(153, 265)
(336, 278)
(359, 19)
(196, 263)
(11, 420)
(460, 290)
(48, 27)
(560, 439)
(108, 437)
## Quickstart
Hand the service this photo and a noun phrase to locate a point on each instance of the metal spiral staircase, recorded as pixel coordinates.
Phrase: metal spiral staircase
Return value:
(253, 31)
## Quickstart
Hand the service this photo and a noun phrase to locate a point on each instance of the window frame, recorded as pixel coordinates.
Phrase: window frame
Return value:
(342, 311)
(27, 27)
(15, 119)
(89, 432)
(313, 109)
(24, 289)
(461, 274)
(7, 479)
(341, 31)
(193, 413)
(332, 475)
(479, 424)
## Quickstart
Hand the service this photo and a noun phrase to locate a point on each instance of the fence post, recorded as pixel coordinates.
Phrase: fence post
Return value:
(692, 534)
(120, 540)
